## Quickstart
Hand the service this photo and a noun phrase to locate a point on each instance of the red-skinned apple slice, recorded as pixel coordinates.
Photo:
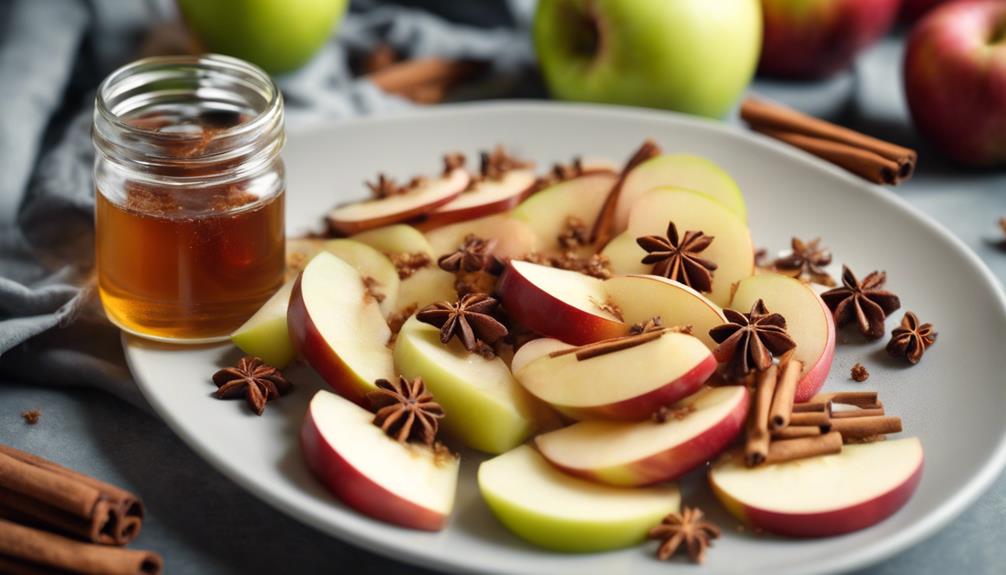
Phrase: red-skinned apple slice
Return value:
(487, 197)
(533, 350)
(513, 237)
(628, 384)
(546, 212)
(558, 303)
(646, 452)
(808, 322)
(821, 496)
(338, 328)
(641, 297)
(401, 483)
(422, 199)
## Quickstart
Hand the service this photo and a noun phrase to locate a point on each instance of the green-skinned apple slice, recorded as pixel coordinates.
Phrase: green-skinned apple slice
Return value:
(405, 484)
(646, 452)
(628, 384)
(425, 197)
(731, 250)
(808, 322)
(383, 277)
(547, 212)
(265, 334)
(486, 409)
(513, 238)
(821, 496)
(425, 286)
(551, 509)
(485, 198)
(679, 171)
(395, 239)
(338, 328)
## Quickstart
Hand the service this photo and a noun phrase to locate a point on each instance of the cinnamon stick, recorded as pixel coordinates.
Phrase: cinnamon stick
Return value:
(816, 418)
(756, 447)
(604, 346)
(760, 114)
(785, 392)
(859, 428)
(810, 406)
(859, 412)
(408, 75)
(864, 163)
(858, 398)
(794, 431)
(39, 492)
(801, 448)
(604, 226)
(24, 550)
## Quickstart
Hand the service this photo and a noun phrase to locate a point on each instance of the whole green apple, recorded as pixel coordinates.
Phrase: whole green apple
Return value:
(278, 35)
(693, 56)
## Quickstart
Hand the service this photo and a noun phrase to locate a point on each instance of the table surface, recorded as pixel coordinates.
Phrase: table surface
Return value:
(203, 523)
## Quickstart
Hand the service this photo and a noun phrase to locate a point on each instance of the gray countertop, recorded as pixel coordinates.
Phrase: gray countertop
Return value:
(203, 523)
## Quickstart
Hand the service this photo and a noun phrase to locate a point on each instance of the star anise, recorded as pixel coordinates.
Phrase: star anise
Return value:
(386, 187)
(474, 254)
(498, 162)
(253, 379)
(563, 172)
(405, 410)
(749, 341)
(652, 324)
(863, 301)
(453, 161)
(686, 528)
(678, 260)
(911, 339)
(470, 319)
(807, 260)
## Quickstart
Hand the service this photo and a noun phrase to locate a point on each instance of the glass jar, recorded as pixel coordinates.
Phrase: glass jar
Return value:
(190, 188)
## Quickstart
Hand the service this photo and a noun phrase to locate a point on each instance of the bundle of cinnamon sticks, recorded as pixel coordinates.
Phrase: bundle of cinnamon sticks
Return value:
(422, 80)
(870, 158)
(56, 520)
(780, 430)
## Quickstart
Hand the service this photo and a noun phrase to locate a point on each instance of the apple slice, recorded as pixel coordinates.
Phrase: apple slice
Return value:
(557, 511)
(299, 251)
(629, 384)
(426, 286)
(487, 197)
(808, 322)
(372, 264)
(423, 198)
(646, 452)
(395, 239)
(679, 171)
(486, 409)
(535, 349)
(513, 237)
(731, 249)
(546, 212)
(558, 303)
(337, 327)
(821, 496)
(265, 334)
(401, 483)
(640, 297)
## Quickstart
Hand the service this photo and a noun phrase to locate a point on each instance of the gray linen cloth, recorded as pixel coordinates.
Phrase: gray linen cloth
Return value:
(53, 53)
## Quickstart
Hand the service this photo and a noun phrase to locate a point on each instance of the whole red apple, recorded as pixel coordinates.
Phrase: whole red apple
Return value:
(816, 38)
(955, 80)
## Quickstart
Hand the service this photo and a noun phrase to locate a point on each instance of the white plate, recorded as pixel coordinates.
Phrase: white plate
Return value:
(954, 400)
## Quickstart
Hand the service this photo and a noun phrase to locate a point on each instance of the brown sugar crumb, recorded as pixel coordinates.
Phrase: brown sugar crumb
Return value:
(475, 282)
(398, 319)
(31, 416)
(409, 263)
(859, 373)
(371, 289)
(608, 306)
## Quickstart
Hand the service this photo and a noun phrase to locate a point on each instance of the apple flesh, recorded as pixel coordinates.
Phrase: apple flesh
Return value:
(486, 198)
(679, 171)
(486, 409)
(372, 264)
(808, 322)
(645, 452)
(395, 239)
(557, 511)
(513, 238)
(425, 286)
(953, 77)
(817, 39)
(535, 349)
(821, 496)
(731, 249)
(557, 303)
(400, 483)
(629, 384)
(547, 212)
(338, 328)
(692, 56)
(422, 199)
(265, 335)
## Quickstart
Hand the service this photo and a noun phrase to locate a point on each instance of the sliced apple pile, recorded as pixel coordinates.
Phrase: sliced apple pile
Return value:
(423, 198)
(821, 496)
(405, 484)
(513, 237)
(547, 212)
(557, 511)
(485, 198)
